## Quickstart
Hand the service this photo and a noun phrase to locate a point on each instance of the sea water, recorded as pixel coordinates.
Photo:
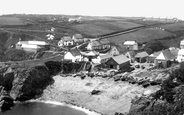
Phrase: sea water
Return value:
(46, 108)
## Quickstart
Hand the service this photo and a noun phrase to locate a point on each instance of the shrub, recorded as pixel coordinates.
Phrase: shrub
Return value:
(153, 46)
(15, 55)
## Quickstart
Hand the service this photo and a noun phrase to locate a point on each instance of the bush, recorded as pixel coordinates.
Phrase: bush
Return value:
(153, 46)
(15, 55)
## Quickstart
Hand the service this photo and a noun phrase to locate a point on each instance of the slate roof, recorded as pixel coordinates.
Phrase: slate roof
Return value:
(67, 38)
(104, 41)
(174, 51)
(75, 52)
(77, 36)
(142, 54)
(130, 53)
(165, 55)
(155, 54)
(91, 53)
(95, 43)
(105, 56)
(120, 59)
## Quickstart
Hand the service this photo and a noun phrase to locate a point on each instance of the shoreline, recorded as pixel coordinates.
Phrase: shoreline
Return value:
(73, 106)
(115, 96)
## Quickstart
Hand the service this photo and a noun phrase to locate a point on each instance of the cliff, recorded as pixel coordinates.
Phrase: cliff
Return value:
(168, 100)
(21, 84)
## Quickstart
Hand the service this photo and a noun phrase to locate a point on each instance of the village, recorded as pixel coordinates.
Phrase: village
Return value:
(108, 60)
(88, 67)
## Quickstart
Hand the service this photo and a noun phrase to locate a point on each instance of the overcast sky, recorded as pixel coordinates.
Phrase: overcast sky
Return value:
(148, 8)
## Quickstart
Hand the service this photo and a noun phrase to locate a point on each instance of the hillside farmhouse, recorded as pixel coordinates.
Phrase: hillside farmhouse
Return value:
(131, 45)
(105, 44)
(66, 41)
(94, 45)
(114, 51)
(32, 46)
(98, 45)
(77, 38)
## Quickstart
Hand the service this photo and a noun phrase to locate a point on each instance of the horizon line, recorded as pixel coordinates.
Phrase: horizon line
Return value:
(161, 17)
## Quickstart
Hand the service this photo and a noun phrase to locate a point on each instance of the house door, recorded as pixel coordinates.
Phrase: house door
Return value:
(111, 66)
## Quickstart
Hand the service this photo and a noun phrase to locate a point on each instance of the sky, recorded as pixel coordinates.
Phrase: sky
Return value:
(130, 8)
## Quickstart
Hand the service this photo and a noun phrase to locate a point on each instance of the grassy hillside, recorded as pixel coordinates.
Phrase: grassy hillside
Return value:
(141, 36)
(89, 27)
(6, 20)
(174, 27)
(96, 28)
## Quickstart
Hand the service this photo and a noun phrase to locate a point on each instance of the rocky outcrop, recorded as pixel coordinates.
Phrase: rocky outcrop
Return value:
(28, 84)
(6, 101)
(21, 84)
(168, 100)
(54, 67)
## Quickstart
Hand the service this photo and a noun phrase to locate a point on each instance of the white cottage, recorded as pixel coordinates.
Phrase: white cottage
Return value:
(131, 45)
(182, 44)
(66, 41)
(73, 55)
(180, 57)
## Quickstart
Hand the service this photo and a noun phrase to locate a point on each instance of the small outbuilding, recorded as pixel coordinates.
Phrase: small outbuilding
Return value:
(118, 62)
(151, 58)
(141, 57)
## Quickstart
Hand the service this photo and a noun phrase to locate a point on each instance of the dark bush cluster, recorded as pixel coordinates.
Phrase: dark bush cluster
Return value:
(17, 55)
(169, 100)
(154, 46)
(54, 67)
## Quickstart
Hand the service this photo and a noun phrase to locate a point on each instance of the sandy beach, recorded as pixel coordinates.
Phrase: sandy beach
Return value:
(114, 96)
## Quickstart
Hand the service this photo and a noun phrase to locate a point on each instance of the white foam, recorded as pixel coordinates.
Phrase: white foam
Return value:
(87, 111)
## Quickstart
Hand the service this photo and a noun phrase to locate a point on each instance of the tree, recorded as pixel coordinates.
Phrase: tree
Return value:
(153, 46)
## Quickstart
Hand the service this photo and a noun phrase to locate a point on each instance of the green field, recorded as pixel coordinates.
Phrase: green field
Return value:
(10, 21)
(96, 28)
(174, 27)
(141, 36)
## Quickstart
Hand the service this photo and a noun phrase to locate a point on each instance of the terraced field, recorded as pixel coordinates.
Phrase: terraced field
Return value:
(96, 28)
(11, 21)
(141, 36)
(174, 27)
